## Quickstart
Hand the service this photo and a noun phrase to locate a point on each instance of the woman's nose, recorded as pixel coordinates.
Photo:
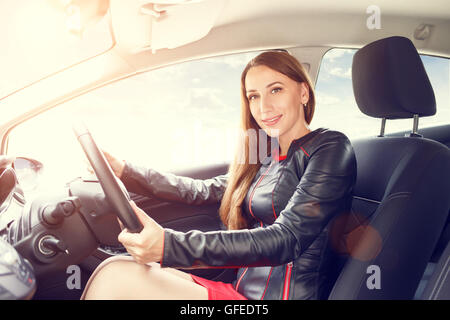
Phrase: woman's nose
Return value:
(265, 104)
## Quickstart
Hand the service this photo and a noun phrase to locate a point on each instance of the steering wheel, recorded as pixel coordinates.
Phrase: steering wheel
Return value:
(115, 194)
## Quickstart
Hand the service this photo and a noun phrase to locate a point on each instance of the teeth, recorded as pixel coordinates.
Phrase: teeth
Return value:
(272, 119)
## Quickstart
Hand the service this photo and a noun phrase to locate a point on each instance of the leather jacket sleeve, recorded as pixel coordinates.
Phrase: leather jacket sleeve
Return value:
(168, 186)
(324, 189)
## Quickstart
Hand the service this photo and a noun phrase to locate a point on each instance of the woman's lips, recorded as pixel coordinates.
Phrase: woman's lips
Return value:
(272, 121)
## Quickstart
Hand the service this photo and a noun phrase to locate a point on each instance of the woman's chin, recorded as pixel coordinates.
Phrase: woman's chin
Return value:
(272, 132)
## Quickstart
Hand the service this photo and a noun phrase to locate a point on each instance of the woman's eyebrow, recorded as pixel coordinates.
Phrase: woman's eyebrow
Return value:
(270, 84)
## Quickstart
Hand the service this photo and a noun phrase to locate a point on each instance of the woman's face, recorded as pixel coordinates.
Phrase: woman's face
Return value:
(276, 102)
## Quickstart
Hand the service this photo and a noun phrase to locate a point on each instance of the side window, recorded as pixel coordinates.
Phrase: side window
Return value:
(173, 117)
(336, 105)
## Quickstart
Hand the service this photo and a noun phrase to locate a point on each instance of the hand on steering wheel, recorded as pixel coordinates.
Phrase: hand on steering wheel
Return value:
(116, 165)
(6, 160)
(146, 246)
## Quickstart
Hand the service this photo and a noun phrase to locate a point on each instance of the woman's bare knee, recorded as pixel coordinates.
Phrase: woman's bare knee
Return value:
(106, 279)
(126, 279)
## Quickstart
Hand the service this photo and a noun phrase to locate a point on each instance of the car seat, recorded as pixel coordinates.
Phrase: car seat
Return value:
(402, 193)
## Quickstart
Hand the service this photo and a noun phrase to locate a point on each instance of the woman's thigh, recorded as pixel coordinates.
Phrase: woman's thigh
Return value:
(123, 278)
(178, 273)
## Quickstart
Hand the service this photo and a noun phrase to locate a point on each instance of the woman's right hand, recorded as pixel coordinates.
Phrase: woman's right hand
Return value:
(116, 165)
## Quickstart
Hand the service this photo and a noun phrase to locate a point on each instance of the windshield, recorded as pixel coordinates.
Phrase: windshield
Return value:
(38, 38)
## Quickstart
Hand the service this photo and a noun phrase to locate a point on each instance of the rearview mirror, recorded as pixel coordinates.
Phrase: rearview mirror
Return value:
(27, 172)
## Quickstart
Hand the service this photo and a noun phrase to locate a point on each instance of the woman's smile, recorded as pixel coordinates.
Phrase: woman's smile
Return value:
(272, 121)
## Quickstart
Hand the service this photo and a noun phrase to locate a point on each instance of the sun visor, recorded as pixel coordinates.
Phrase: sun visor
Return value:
(152, 25)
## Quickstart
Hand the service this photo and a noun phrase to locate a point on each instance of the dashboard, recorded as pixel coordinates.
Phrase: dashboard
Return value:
(17, 279)
(12, 198)
(49, 232)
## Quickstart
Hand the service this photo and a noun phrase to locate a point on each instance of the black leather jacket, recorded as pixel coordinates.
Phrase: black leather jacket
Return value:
(287, 252)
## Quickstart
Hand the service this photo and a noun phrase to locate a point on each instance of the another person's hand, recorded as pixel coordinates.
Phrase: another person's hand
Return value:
(116, 165)
(146, 246)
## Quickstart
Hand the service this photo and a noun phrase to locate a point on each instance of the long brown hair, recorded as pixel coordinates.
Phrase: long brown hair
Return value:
(242, 171)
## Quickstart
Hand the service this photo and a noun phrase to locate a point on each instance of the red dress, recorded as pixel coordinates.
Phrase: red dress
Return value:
(218, 290)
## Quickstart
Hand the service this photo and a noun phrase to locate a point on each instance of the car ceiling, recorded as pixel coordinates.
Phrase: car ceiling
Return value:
(236, 11)
(261, 24)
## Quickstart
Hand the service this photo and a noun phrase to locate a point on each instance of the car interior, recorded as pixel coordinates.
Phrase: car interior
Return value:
(400, 218)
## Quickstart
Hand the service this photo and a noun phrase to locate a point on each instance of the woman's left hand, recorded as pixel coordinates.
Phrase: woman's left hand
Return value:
(146, 246)
(6, 160)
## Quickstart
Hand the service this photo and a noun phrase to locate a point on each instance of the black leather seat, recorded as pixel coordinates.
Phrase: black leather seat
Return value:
(438, 286)
(402, 193)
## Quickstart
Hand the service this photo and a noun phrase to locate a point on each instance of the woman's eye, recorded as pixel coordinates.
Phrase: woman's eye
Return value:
(275, 90)
(252, 97)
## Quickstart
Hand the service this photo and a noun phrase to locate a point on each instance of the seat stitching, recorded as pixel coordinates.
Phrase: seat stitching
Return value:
(438, 281)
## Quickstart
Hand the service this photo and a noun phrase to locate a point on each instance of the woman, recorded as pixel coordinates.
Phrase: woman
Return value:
(278, 211)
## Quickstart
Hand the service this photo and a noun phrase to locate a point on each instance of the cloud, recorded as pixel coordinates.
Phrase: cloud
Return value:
(341, 73)
(337, 53)
(204, 100)
(326, 99)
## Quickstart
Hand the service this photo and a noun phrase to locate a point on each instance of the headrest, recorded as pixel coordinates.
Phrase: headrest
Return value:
(390, 81)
